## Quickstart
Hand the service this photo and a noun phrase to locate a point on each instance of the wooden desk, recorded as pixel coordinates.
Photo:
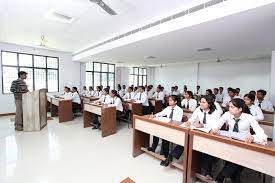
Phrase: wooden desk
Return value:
(267, 127)
(108, 117)
(268, 116)
(61, 108)
(144, 127)
(136, 108)
(254, 156)
(86, 99)
(157, 105)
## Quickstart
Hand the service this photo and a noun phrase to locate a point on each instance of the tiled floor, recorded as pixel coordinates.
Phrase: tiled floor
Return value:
(68, 153)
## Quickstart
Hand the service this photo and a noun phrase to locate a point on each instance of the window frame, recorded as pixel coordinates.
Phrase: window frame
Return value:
(138, 75)
(32, 67)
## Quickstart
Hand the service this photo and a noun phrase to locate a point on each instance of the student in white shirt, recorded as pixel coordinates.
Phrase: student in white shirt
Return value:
(238, 90)
(159, 95)
(67, 92)
(136, 90)
(64, 91)
(189, 102)
(119, 90)
(98, 92)
(198, 91)
(208, 92)
(254, 110)
(142, 98)
(264, 104)
(76, 101)
(130, 94)
(240, 121)
(91, 92)
(232, 93)
(84, 92)
(176, 91)
(150, 92)
(172, 91)
(124, 90)
(105, 97)
(116, 101)
(175, 113)
(205, 115)
(220, 95)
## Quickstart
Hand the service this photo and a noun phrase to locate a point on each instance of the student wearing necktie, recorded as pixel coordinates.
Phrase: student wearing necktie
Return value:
(116, 101)
(175, 113)
(189, 102)
(142, 98)
(130, 94)
(239, 120)
(98, 92)
(254, 110)
(91, 92)
(264, 104)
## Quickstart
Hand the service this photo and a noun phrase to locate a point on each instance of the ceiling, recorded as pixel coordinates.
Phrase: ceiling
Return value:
(246, 35)
(23, 22)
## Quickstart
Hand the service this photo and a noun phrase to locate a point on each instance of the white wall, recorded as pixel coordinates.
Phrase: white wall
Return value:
(69, 71)
(272, 81)
(247, 75)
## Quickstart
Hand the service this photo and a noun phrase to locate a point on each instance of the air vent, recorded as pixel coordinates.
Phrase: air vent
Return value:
(60, 17)
(167, 19)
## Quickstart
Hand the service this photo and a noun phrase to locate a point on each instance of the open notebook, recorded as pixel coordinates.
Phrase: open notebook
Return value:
(233, 135)
(163, 119)
(205, 129)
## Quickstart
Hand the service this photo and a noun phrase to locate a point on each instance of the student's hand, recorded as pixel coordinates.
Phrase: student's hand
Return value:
(152, 116)
(187, 124)
(264, 142)
(249, 139)
(198, 125)
(214, 131)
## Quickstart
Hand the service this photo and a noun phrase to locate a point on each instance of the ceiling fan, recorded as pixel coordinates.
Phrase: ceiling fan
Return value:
(104, 6)
(43, 43)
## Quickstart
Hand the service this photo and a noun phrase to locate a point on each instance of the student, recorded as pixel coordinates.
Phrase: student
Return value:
(142, 98)
(189, 102)
(98, 92)
(136, 90)
(172, 91)
(124, 90)
(205, 114)
(67, 92)
(116, 101)
(198, 91)
(254, 110)
(208, 92)
(91, 92)
(130, 94)
(176, 91)
(232, 93)
(159, 95)
(175, 113)
(238, 90)
(119, 90)
(74, 96)
(105, 97)
(252, 92)
(150, 92)
(216, 93)
(64, 91)
(239, 121)
(220, 95)
(264, 104)
(84, 92)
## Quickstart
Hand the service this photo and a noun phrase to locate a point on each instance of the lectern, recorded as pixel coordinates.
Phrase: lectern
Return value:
(34, 110)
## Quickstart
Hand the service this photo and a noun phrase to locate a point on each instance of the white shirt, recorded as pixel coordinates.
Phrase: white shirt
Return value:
(67, 94)
(105, 99)
(150, 94)
(219, 97)
(124, 91)
(218, 106)
(265, 105)
(116, 101)
(175, 93)
(159, 96)
(211, 119)
(142, 98)
(84, 92)
(227, 99)
(74, 97)
(121, 93)
(198, 92)
(177, 113)
(129, 95)
(91, 93)
(98, 94)
(256, 112)
(192, 104)
(246, 120)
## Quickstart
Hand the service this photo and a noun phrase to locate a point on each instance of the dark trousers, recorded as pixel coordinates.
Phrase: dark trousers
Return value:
(145, 110)
(76, 107)
(232, 171)
(164, 146)
(95, 119)
(207, 162)
(177, 151)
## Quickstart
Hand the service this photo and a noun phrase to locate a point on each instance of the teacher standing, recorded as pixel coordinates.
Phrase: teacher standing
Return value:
(18, 87)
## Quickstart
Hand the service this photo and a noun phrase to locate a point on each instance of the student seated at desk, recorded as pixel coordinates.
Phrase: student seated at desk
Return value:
(254, 109)
(142, 98)
(67, 92)
(74, 96)
(91, 92)
(189, 102)
(116, 101)
(264, 104)
(105, 97)
(84, 92)
(232, 93)
(130, 94)
(119, 90)
(98, 92)
(124, 90)
(220, 95)
(239, 121)
(204, 115)
(159, 95)
(149, 92)
(175, 113)
(176, 91)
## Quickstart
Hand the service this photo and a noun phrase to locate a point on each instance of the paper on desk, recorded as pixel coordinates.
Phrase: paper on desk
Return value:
(205, 128)
(233, 135)
(163, 119)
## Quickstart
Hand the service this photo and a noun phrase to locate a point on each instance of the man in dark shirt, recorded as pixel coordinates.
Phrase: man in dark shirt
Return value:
(18, 87)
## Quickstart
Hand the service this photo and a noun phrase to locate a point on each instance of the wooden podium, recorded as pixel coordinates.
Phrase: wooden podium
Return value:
(34, 110)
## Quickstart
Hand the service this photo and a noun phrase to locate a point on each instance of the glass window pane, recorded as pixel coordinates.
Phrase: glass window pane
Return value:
(104, 68)
(140, 81)
(52, 80)
(111, 68)
(89, 79)
(135, 70)
(132, 71)
(140, 71)
(144, 80)
(39, 61)
(97, 66)
(9, 75)
(111, 80)
(96, 79)
(9, 58)
(104, 79)
(89, 66)
(135, 80)
(29, 80)
(52, 62)
(131, 80)
(25, 60)
(144, 71)
(40, 79)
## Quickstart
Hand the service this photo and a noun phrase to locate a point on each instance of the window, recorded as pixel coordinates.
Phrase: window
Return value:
(138, 76)
(100, 74)
(43, 71)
